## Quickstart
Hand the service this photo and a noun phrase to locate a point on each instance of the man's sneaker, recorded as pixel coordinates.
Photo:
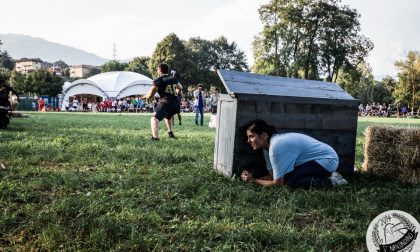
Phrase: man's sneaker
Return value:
(155, 139)
(171, 135)
(337, 179)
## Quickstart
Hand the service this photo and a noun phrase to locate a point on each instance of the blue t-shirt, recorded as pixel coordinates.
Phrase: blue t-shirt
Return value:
(289, 150)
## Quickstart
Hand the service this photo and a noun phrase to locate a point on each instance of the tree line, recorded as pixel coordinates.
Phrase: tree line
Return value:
(308, 39)
(194, 60)
(321, 40)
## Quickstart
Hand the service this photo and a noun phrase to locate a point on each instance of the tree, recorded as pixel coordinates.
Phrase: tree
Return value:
(17, 81)
(38, 82)
(61, 64)
(5, 60)
(173, 51)
(389, 83)
(229, 56)
(378, 93)
(4, 74)
(197, 59)
(55, 87)
(308, 39)
(139, 65)
(408, 87)
(113, 65)
(357, 80)
(66, 72)
(341, 44)
(212, 55)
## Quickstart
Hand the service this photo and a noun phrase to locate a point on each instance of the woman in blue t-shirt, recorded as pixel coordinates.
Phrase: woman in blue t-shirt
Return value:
(293, 159)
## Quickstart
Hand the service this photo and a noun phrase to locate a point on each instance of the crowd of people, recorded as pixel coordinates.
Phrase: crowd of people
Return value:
(131, 104)
(383, 110)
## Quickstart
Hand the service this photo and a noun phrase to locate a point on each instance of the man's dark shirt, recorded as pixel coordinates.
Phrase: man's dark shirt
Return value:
(166, 87)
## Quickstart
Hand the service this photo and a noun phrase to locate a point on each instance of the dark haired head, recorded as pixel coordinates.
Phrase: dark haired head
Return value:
(259, 126)
(164, 68)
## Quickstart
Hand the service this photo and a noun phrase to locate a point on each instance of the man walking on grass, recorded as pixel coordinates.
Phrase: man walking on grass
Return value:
(167, 87)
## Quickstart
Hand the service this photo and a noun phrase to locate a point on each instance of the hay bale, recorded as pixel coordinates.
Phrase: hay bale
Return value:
(393, 152)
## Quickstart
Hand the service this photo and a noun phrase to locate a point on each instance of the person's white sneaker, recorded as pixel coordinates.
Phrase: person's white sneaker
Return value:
(337, 179)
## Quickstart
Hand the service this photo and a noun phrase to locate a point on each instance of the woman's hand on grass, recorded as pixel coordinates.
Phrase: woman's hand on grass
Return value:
(246, 176)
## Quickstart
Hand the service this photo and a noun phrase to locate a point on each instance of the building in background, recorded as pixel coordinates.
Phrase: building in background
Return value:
(55, 70)
(83, 71)
(26, 65)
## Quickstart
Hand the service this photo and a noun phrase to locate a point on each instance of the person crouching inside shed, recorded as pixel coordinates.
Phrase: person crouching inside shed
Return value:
(292, 159)
(167, 87)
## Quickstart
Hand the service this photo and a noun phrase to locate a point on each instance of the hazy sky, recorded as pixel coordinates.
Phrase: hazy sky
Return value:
(137, 26)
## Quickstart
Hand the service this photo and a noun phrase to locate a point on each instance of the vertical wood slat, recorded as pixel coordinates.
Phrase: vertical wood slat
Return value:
(225, 135)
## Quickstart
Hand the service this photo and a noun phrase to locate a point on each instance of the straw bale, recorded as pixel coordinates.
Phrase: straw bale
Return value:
(393, 152)
(384, 168)
(409, 148)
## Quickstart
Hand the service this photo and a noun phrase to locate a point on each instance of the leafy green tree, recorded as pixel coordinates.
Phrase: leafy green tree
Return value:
(113, 65)
(408, 87)
(204, 57)
(4, 74)
(229, 56)
(94, 71)
(66, 72)
(212, 55)
(5, 60)
(308, 39)
(37, 79)
(61, 64)
(197, 59)
(378, 93)
(389, 83)
(340, 42)
(17, 81)
(38, 82)
(28, 84)
(173, 51)
(139, 65)
(357, 80)
(55, 87)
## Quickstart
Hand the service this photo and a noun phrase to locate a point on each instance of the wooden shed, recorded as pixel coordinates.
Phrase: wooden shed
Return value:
(322, 110)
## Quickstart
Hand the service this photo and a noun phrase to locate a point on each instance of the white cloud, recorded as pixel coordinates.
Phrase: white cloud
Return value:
(383, 57)
(238, 21)
(137, 26)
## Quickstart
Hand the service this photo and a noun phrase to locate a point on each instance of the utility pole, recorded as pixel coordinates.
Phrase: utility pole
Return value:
(115, 51)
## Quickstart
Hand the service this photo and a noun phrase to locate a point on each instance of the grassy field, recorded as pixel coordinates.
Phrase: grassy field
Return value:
(95, 182)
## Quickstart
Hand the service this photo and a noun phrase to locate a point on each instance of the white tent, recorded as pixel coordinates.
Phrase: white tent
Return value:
(114, 85)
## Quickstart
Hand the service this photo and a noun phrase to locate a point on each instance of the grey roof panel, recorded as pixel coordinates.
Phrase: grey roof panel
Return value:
(248, 83)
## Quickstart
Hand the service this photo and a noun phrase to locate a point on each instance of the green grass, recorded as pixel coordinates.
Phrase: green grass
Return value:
(95, 182)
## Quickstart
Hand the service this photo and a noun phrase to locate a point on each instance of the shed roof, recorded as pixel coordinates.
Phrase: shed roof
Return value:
(238, 83)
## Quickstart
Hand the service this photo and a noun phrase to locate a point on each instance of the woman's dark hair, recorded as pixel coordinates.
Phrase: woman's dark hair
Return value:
(259, 126)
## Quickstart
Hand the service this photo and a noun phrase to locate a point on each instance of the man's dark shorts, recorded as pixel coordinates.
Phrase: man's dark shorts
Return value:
(166, 109)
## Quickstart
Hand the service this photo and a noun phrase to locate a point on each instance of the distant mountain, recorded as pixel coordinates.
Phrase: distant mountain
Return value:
(23, 46)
